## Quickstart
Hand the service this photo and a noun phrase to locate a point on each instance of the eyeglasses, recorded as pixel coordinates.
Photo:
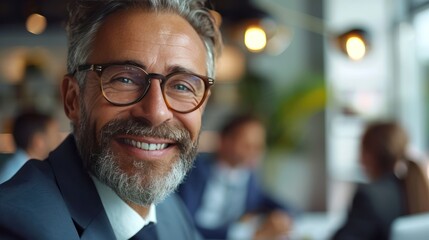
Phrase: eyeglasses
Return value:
(127, 84)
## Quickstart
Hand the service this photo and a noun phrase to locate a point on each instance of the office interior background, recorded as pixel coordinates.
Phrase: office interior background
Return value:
(318, 73)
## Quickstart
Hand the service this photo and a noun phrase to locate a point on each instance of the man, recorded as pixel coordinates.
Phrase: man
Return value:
(223, 194)
(139, 78)
(35, 135)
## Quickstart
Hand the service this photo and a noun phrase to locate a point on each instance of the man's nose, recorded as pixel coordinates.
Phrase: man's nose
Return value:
(153, 107)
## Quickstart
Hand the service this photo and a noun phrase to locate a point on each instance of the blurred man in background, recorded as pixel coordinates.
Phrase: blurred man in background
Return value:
(35, 135)
(223, 194)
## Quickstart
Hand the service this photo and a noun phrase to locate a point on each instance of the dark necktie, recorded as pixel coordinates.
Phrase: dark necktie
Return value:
(148, 232)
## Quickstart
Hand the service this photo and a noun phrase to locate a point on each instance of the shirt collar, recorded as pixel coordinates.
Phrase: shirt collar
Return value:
(124, 220)
(237, 176)
(22, 155)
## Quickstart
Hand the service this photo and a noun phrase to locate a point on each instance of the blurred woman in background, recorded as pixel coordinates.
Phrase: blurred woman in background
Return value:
(397, 185)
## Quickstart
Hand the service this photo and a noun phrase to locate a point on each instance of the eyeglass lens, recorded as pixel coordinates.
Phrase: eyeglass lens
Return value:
(125, 84)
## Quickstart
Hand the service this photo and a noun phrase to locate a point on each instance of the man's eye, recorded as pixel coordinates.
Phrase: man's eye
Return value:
(124, 80)
(181, 87)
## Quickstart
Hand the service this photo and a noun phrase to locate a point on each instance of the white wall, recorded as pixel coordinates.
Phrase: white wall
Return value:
(364, 87)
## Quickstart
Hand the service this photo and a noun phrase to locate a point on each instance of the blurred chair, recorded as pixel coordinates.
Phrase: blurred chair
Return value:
(415, 227)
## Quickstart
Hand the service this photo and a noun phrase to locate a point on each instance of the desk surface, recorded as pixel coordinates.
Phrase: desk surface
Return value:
(316, 226)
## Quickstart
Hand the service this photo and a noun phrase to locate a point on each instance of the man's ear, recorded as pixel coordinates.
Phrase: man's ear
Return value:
(70, 94)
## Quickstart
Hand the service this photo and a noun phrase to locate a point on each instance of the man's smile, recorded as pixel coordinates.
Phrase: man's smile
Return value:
(146, 146)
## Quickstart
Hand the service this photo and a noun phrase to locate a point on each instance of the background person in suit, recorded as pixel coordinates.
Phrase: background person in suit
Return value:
(139, 76)
(397, 185)
(223, 193)
(35, 135)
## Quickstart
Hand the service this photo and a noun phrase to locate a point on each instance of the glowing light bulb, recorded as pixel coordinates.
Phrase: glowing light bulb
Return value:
(36, 23)
(355, 48)
(255, 39)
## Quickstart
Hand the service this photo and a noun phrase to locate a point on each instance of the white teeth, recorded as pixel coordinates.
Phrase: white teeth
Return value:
(146, 146)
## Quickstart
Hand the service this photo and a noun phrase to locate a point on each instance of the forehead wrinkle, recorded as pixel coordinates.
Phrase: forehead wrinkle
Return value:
(151, 60)
(157, 43)
(176, 39)
(183, 41)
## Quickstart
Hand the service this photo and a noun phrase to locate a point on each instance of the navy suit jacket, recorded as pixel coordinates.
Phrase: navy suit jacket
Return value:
(56, 199)
(375, 206)
(192, 190)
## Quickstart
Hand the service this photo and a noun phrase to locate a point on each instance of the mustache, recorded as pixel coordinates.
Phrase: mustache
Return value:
(136, 127)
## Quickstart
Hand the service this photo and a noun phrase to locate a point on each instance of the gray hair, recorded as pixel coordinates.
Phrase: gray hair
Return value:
(86, 16)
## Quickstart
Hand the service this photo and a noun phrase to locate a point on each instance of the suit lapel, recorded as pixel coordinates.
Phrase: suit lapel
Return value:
(79, 192)
(171, 223)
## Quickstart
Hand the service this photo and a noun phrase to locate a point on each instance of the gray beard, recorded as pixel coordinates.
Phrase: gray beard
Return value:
(148, 182)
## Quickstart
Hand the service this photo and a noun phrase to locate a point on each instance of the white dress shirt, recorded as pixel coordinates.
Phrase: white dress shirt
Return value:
(124, 220)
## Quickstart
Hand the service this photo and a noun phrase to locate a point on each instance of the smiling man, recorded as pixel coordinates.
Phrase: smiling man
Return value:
(140, 73)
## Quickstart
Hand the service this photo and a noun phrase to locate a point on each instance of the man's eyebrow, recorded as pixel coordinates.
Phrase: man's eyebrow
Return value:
(126, 62)
(172, 69)
(132, 62)
(177, 68)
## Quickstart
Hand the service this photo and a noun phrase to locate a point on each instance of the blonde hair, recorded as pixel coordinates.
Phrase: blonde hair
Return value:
(416, 188)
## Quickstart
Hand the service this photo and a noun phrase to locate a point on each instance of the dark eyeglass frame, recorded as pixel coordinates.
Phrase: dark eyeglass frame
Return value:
(99, 68)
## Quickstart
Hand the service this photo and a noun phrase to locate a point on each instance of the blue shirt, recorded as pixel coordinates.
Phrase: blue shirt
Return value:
(12, 165)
